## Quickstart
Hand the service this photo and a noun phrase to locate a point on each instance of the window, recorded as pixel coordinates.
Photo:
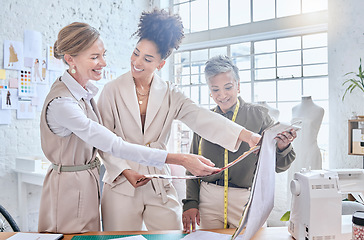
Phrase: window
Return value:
(275, 68)
(202, 15)
(277, 71)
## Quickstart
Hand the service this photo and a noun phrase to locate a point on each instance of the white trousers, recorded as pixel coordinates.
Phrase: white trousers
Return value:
(125, 213)
(212, 205)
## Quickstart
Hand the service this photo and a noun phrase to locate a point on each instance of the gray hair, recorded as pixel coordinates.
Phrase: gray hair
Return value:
(220, 64)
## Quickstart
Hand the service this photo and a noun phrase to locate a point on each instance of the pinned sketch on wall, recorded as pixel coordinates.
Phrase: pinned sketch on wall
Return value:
(53, 63)
(2, 74)
(9, 99)
(44, 71)
(32, 48)
(13, 55)
(28, 62)
(25, 85)
(37, 71)
(32, 44)
(3, 84)
(5, 115)
(13, 83)
(25, 110)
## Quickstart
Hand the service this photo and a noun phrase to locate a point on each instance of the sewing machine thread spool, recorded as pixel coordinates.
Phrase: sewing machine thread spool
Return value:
(358, 225)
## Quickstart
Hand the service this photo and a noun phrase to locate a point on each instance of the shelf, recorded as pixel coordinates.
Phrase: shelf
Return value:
(353, 124)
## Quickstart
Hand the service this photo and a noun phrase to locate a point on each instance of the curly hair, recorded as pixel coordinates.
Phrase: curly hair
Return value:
(162, 28)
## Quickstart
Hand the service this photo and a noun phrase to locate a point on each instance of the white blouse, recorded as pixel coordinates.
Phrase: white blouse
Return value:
(64, 117)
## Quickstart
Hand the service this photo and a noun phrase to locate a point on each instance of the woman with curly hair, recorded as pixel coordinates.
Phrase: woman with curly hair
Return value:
(140, 107)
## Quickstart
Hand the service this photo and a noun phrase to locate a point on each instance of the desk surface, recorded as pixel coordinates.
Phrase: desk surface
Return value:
(271, 233)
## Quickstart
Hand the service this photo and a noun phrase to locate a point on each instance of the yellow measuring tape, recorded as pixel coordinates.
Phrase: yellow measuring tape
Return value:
(226, 171)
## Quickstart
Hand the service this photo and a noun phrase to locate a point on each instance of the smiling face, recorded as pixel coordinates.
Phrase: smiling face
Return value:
(224, 90)
(89, 63)
(144, 60)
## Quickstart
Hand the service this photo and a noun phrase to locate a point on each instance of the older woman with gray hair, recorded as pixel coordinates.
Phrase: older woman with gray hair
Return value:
(213, 202)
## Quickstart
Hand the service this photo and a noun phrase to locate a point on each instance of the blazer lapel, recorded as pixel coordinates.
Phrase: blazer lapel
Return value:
(96, 111)
(156, 97)
(128, 94)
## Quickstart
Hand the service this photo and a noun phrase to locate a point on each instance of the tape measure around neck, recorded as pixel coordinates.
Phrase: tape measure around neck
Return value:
(226, 162)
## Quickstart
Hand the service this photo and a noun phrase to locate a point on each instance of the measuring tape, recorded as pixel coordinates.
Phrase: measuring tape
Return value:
(226, 171)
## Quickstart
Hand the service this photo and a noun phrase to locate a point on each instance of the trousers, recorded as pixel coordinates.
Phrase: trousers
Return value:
(212, 205)
(125, 213)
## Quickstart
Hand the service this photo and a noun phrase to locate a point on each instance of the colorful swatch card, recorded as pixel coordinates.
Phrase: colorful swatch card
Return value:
(3, 84)
(53, 63)
(25, 85)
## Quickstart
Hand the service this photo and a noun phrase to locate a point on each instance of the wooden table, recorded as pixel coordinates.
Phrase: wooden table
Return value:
(271, 233)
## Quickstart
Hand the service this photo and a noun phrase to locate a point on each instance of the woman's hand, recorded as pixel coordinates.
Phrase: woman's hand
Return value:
(190, 217)
(195, 164)
(135, 179)
(250, 137)
(285, 138)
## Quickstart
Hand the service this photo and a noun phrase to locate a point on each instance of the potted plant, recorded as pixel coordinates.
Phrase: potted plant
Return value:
(354, 82)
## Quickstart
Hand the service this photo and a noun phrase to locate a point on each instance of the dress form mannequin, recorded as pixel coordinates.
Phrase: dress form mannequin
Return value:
(305, 145)
(273, 112)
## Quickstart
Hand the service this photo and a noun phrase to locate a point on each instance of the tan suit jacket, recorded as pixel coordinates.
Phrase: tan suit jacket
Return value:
(119, 110)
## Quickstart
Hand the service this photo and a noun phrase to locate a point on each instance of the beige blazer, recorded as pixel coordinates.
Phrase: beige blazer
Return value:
(119, 111)
(70, 200)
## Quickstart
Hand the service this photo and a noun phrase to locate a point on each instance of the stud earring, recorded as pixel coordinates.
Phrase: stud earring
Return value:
(73, 71)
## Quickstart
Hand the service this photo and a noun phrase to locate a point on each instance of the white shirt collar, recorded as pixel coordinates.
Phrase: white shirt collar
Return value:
(77, 90)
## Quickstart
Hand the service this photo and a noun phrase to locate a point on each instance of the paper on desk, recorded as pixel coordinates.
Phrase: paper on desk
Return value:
(261, 199)
(137, 237)
(205, 235)
(35, 236)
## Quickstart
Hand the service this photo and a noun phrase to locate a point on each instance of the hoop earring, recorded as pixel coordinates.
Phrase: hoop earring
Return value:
(210, 95)
(73, 71)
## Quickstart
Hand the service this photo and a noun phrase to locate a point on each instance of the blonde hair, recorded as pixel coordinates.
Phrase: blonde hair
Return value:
(74, 38)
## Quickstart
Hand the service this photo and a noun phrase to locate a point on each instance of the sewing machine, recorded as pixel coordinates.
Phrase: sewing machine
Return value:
(317, 195)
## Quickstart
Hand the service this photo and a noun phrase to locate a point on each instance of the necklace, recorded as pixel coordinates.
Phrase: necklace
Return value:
(141, 99)
(142, 95)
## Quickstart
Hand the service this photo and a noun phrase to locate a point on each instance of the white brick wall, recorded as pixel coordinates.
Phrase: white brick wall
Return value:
(346, 46)
(116, 21)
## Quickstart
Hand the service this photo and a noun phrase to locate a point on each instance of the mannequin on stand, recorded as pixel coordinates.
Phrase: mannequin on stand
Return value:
(307, 151)
(308, 154)
(273, 112)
